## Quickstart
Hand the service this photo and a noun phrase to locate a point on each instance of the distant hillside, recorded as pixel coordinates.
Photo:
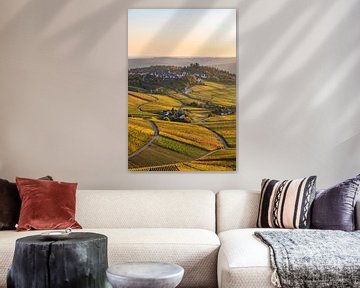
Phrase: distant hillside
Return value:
(179, 78)
(225, 63)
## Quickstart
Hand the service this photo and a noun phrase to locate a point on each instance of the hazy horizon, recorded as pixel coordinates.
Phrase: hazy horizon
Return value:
(146, 57)
(223, 63)
(181, 33)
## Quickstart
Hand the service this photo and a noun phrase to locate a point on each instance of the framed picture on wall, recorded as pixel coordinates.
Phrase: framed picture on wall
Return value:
(181, 89)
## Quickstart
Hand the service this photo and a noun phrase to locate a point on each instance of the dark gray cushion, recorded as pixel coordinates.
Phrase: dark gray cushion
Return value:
(9, 205)
(334, 208)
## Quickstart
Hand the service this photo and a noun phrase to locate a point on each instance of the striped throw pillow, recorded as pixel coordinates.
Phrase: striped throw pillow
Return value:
(286, 204)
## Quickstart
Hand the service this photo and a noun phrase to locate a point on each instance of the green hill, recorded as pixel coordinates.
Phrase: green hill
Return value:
(159, 78)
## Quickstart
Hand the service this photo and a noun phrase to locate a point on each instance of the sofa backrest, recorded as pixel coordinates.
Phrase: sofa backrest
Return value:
(239, 209)
(236, 209)
(146, 209)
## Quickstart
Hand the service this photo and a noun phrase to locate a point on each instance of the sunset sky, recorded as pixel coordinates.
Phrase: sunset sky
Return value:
(181, 33)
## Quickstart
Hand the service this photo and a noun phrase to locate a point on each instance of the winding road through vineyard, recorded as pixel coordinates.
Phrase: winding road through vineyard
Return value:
(152, 140)
(204, 139)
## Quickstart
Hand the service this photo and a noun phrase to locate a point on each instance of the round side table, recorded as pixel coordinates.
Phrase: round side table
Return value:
(145, 275)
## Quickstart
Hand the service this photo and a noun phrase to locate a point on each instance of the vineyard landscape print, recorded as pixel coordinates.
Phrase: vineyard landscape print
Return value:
(182, 90)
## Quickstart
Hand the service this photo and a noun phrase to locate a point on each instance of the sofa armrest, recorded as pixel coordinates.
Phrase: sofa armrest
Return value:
(357, 215)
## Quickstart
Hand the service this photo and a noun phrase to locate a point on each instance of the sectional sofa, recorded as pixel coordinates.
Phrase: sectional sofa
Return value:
(210, 235)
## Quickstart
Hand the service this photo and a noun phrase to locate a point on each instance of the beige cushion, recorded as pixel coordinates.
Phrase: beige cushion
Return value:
(146, 209)
(236, 209)
(194, 249)
(244, 261)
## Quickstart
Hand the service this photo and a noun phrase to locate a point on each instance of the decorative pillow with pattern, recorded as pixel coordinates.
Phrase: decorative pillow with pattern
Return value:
(286, 204)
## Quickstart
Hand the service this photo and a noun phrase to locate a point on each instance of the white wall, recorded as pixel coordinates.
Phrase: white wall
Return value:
(63, 92)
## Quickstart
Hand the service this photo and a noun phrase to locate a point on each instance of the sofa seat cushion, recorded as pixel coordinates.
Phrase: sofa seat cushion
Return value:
(244, 261)
(194, 249)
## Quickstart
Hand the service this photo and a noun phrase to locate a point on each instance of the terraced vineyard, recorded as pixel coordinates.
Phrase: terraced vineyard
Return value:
(162, 103)
(220, 160)
(225, 128)
(188, 130)
(136, 100)
(198, 114)
(193, 135)
(139, 133)
(217, 93)
(180, 97)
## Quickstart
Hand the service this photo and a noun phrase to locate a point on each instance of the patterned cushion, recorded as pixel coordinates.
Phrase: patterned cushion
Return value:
(286, 204)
